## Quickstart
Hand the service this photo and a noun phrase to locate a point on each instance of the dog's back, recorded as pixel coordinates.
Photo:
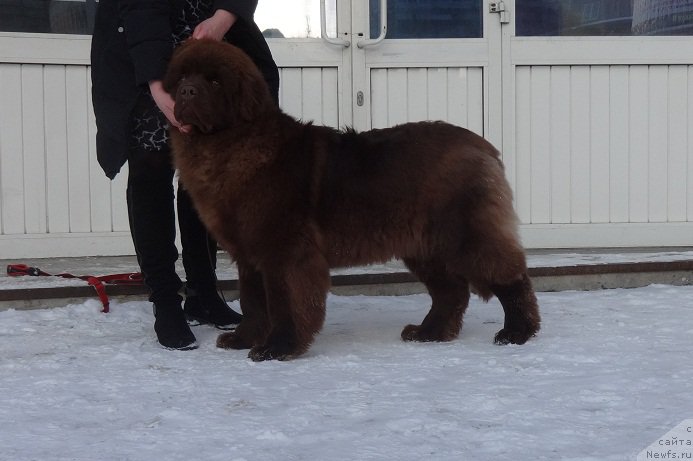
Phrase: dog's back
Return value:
(390, 192)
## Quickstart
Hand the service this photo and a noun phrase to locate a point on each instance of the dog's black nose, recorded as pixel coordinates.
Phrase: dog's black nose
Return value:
(187, 92)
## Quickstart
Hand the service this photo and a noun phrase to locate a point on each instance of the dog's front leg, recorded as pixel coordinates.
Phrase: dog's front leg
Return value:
(296, 293)
(255, 326)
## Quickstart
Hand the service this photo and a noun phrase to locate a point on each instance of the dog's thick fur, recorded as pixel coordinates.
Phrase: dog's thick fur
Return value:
(289, 200)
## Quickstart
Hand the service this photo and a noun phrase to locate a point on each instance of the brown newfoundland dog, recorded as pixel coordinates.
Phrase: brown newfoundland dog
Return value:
(289, 200)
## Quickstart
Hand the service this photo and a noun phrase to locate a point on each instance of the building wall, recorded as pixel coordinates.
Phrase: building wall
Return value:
(596, 131)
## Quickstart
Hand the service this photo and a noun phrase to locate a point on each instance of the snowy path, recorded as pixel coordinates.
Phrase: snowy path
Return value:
(609, 374)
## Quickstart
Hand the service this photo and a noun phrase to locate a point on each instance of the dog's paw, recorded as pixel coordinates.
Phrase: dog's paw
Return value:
(232, 340)
(506, 336)
(422, 334)
(411, 333)
(268, 352)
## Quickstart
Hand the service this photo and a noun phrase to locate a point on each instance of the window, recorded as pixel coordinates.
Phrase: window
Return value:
(428, 18)
(295, 18)
(604, 17)
(47, 16)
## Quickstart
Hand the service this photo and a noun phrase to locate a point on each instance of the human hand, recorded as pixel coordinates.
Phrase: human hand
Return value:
(166, 104)
(216, 26)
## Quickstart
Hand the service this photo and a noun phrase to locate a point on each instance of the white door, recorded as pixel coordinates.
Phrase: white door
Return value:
(315, 72)
(432, 62)
(591, 111)
(598, 116)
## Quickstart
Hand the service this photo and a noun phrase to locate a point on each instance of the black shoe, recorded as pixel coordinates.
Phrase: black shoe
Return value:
(208, 308)
(172, 329)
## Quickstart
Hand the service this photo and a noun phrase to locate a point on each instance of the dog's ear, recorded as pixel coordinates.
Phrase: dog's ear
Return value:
(173, 72)
(253, 94)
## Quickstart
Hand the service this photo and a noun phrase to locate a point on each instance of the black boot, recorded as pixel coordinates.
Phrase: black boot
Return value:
(207, 307)
(203, 303)
(171, 327)
(153, 229)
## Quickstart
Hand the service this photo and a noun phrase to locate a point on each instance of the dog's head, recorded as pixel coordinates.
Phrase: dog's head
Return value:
(215, 86)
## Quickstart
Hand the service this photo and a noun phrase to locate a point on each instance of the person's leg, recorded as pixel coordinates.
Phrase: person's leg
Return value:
(152, 226)
(203, 303)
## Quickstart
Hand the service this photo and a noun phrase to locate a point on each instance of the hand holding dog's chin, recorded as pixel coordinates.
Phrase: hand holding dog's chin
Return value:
(163, 100)
(166, 104)
(216, 26)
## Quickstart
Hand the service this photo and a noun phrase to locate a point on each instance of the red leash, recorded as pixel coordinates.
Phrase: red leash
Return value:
(132, 278)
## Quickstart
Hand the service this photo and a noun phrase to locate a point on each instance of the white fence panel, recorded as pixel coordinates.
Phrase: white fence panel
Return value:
(604, 144)
(310, 94)
(33, 152)
(54, 198)
(560, 173)
(599, 144)
(619, 146)
(678, 137)
(400, 95)
(57, 186)
(11, 150)
(78, 149)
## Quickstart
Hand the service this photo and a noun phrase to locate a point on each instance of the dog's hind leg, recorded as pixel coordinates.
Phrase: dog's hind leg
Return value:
(499, 269)
(521, 311)
(449, 296)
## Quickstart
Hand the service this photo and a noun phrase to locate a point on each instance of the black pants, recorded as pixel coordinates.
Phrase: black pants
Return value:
(150, 200)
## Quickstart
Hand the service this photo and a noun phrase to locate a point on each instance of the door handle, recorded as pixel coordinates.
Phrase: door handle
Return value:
(323, 29)
(383, 28)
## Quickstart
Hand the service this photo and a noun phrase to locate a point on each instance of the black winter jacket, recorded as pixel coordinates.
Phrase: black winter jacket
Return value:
(132, 44)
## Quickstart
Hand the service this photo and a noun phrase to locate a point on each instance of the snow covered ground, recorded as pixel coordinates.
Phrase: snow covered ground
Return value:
(608, 375)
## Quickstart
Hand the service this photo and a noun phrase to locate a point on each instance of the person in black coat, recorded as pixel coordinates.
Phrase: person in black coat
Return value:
(132, 43)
